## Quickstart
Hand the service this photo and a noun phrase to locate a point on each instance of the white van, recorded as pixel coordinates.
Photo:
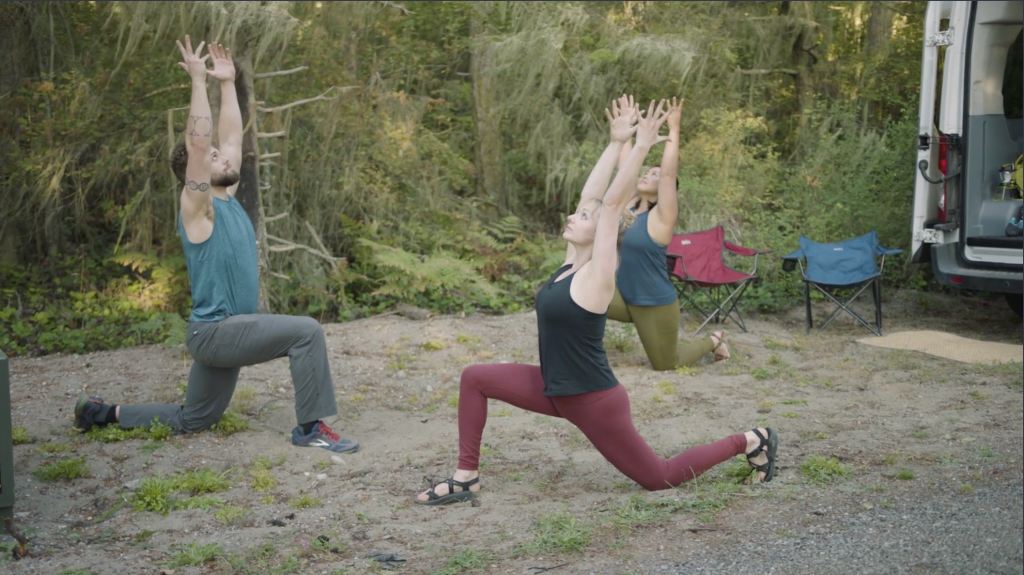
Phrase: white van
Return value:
(972, 65)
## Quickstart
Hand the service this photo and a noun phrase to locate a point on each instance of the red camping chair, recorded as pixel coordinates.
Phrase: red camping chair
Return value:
(696, 260)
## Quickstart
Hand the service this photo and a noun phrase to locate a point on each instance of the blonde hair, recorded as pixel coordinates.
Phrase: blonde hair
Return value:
(626, 221)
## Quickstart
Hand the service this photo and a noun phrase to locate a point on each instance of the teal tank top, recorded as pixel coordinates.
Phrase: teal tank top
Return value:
(223, 270)
(642, 277)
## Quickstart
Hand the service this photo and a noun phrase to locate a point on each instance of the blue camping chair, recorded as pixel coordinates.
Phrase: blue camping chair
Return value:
(846, 265)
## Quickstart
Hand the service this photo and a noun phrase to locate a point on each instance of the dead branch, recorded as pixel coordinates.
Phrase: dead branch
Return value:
(307, 100)
(270, 155)
(398, 7)
(271, 134)
(789, 71)
(263, 75)
(320, 244)
(287, 246)
(275, 217)
(279, 276)
(161, 91)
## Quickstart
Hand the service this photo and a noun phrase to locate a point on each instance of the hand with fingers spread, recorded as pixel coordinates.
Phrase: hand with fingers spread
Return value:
(223, 65)
(675, 112)
(650, 123)
(622, 119)
(192, 62)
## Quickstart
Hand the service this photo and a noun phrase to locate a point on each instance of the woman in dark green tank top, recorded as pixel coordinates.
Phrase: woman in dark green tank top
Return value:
(644, 294)
(574, 380)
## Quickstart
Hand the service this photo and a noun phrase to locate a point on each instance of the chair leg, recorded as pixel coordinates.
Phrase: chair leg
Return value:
(807, 302)
(877, 293)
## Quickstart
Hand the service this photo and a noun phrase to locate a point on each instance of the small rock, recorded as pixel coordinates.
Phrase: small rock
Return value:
(430, 388)
(337, 460)
(133, 484)
(360, 536)
(321, 476)
(868, 506)
(476, 502)
(400, 374)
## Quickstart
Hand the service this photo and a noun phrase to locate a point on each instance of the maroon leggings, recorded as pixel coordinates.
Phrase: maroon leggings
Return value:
(603, 416)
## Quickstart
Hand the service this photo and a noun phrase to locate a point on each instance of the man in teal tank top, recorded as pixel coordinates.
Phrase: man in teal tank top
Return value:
(225, 332)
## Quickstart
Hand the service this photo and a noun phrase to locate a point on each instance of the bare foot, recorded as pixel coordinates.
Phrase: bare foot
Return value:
(721, 349)
(441, 489)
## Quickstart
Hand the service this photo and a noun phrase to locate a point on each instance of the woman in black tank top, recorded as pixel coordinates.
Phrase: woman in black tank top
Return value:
(574, 380)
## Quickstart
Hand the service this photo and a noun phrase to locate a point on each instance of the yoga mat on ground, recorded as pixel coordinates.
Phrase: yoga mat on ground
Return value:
(949, 346)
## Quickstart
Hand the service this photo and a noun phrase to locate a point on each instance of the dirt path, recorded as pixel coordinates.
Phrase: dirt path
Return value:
(904, 425)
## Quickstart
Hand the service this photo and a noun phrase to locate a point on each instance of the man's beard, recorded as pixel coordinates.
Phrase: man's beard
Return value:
(224, 179)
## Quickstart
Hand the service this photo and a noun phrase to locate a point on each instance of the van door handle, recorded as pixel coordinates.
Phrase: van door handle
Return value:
(923, 166)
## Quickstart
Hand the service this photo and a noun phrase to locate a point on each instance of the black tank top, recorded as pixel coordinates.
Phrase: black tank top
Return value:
(572, 356)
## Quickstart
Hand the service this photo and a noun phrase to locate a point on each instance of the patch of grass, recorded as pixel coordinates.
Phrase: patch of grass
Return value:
(144, 535)
(158, 431)
(204, 502)
(75, 572)
(205, 481)
(793, 402)
(978, 395)
(904, 474)
(433, 345)
(304, 501)
(666, 387)
(559, 533)
(790, 414)
(463, 338)
(514, 477)
(231, 515)
(263, 480)
(155, 494)
(267, 500)
(19, 435)
(776, 360)
(151, 446)
(322, 464)
(230, 423)
(54, 448)
(503, 412)
(919, 435)
(766, 403)
(986, 452)
(194, 554)
(621, 340)
(892, 458)
(113, 433)
(453, 401)
(65, 469)
(821, 435)
(823, 470)
(966, 488)
(467, 561)
(263, 462)
(760, 373)
(244, 400)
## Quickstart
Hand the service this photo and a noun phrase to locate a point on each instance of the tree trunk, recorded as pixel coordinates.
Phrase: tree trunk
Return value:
(487, 138)
(876, 48)
(248, 193)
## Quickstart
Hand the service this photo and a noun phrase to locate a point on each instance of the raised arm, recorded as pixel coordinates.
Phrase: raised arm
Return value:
(605, 257)
(622, 125)
(229, 127)
(198, 134)
(666, 213)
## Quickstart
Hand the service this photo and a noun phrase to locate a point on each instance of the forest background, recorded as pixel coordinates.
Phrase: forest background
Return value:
(428, 152)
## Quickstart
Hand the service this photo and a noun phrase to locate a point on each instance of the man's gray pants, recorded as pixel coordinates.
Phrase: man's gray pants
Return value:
(220, 349)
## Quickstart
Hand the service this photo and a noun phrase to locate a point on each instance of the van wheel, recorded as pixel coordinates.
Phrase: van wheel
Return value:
(1016, 302)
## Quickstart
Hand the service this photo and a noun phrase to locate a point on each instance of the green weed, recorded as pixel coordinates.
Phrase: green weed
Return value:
(205, 481)
(204, 502)
(230, 423)
(54, 448)
(304, 501)
(823, 470)
(453, 401)
(433, 345)
(194, 554)
(666, 387)
(760, 373)
(790, 414)
(690, 370)
(904, 474)
(263, 479)
(113, 433)
(155, 494)
(919, 435)
(621, 339)
(467, 561)
(66, 469)
(821, 435)
(231, 515)
(244, 400)
(793, 402)
(966, 488)
(559, 533)
(19, 435)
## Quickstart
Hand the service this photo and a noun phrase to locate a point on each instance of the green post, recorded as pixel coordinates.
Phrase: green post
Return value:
(6, 442)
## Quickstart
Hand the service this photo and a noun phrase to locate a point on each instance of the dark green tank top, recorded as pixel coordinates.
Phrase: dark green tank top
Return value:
(572, 356)
(223, 270)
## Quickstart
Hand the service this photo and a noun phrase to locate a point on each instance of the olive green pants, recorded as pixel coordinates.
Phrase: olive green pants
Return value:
(658, 328)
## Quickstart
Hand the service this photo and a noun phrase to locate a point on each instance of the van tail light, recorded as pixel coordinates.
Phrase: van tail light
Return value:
(944, 168)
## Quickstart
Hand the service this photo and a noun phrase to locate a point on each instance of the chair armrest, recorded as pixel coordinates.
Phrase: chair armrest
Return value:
(670, 261)
(790, 259)
(743, 251)
(884, 251)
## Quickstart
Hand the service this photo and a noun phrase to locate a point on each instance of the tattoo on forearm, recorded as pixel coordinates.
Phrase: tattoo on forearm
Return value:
(202, 126)
(196, 186)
